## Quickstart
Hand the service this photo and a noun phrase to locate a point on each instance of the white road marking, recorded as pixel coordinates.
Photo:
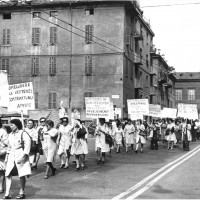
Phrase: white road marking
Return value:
(138, 193)
(152, 175)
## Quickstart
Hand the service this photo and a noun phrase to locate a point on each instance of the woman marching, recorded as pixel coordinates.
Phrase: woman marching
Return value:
(79, 146)
(17, 159)
(64, 143)
(129, 131)
(140, 135)
(49, 147)
(170, 136)
(119, 134)
(101, 146)
(186, 135)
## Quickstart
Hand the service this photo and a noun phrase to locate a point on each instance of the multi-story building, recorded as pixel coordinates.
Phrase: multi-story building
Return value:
(162, 82)
(74, 49)
(187, 88)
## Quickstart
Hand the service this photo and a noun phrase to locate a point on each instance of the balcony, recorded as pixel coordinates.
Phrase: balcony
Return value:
(163, 78)
(138, 84)
(137, 59)
(153, 71)
(152, 91)
(138, 35)
(153, 50)
(168, 85)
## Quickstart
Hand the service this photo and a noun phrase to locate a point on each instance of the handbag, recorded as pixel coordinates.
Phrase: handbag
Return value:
(109, 140)
(142, 133)
(167, 132)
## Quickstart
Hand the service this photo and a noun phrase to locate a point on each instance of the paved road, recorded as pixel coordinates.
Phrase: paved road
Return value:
(119, 173)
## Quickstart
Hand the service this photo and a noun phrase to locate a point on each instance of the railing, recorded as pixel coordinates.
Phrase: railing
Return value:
(138, 35)
(137, 59)
(153, 50)
(153, 71)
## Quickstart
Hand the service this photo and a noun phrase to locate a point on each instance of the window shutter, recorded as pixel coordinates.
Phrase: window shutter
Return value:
(54, 100)
(7, 65)
(55, 35)
(8, 36)
(87, 33)
(36, 66)
(32, 66)
(128, 35)
(90, 33)
(51, 35)
(50, 66)
(33, 35)
(4, 36)
(37, 36)
(90, 65)
(54, 66)
(86, 64)
(50, 99)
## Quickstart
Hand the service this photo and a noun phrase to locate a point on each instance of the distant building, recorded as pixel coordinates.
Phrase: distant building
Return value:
(187, 88)
(162, 83)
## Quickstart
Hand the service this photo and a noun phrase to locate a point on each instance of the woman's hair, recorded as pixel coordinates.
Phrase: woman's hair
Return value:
(65, 119)
(31, 120)
(102, 120)
(17, 123)
(50, 123)
(43, 118)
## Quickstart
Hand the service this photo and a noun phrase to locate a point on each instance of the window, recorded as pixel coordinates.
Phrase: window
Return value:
(131, 42)
(36, 14)
(131, 71)
(52, 101)
(6, 36)
(35, 36)
(52, 66)
(89, 12)
(147, 60)
(88, 65)
(5, 64)
(147, 81)
(178, 94)
(88, 94)
(35, 66)
(53, 13)
(89, 34)
(6, 15)
(53, 35)
(191, 94)
(36, 100)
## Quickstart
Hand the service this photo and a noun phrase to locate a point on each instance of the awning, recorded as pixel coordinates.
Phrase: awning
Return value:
(5, 114)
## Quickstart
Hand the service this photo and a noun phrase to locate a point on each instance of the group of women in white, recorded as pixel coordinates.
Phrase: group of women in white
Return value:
(26, 145)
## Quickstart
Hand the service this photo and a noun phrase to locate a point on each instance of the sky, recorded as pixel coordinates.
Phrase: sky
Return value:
(177, 31)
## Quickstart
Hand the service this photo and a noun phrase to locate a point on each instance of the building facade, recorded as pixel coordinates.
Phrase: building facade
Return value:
(187, 88)
(72, 50)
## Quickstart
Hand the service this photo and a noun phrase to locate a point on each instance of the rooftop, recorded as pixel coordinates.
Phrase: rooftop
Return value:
(187, 75)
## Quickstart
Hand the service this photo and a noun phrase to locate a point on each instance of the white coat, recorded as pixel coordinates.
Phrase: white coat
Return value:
(16, 153)
(186, 131)
(49, 146)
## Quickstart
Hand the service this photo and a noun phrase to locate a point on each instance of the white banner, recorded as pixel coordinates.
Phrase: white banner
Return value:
(118, 111)
(21, 97)
(169, 113)
(97, 107)
(138, 106)
(4, 99)
(154, 110)
(189, 111)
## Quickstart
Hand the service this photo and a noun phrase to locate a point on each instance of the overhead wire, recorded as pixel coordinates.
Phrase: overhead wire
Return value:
(169, 5)
(84, 36)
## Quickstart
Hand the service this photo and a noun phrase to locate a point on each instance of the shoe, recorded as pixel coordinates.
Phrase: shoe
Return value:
(66, 167)
(82, 167)
(136, 151)
(171, 148)
(102, 161)
(141, 150)
(20, 196)
(62, 165)
(46, 177)
(54, 171)
(77, 168)
(1, 191)
(7, 197)
(34, 167)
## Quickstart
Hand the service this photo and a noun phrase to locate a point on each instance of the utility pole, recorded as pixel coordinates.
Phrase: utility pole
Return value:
(70, 70)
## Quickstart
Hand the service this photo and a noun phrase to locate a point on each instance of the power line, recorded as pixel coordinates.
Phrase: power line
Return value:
(169, 5)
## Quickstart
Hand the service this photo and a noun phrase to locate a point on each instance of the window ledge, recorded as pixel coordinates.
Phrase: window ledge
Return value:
(6, 45)
(88, 74)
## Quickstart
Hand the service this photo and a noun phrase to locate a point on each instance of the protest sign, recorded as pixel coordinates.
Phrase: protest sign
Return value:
(4, 100)
(138, 107)
(21, 97)
(118, 112)
(187, 111)
(154, 110)
(97, 107)
(169, 113)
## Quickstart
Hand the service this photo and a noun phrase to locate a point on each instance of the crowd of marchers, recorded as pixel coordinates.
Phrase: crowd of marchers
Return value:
(21, 149)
